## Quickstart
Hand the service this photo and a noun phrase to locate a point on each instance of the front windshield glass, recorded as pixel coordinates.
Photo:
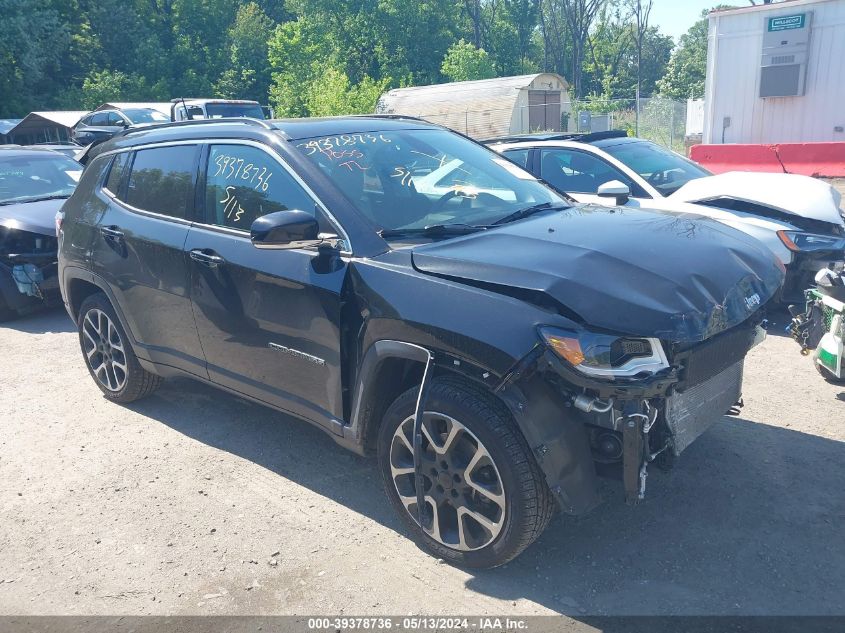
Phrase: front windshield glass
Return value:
(412, 179)
(664, 170)
(35, 176)
(233, 110)
(145, 116)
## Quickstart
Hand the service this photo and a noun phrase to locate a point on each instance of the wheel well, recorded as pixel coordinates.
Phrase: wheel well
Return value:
(392, 378)
(78, 290)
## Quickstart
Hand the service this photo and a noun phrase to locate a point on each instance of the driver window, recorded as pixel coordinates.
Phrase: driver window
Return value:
(577, 172)
(244, 183)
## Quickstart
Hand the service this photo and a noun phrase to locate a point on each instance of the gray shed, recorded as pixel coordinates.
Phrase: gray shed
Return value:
(486, 107)
(45, 127)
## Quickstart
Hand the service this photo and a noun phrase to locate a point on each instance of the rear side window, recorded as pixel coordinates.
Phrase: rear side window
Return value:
(161, 180)
(118, 167)
(243, 183)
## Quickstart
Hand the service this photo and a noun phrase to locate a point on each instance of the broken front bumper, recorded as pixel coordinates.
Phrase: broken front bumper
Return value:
(28, 282)
(635, 421)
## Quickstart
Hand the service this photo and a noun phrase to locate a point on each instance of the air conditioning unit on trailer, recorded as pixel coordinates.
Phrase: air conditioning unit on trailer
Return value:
(786, 46)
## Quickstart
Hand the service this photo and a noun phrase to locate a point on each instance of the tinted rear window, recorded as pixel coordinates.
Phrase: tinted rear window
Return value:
(161, 180)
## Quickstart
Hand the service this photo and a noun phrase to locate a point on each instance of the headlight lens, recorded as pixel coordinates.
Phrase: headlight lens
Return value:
(604, 354)
(798, 241)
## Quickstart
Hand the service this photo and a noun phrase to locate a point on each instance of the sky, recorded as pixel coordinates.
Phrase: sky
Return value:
(674, 17)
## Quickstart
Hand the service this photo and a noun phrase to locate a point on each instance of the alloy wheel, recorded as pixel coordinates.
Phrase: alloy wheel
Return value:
(104, 350)
(461, 484)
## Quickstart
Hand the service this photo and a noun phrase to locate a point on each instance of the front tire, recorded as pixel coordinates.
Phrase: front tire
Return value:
(108, 354)
(486, 498)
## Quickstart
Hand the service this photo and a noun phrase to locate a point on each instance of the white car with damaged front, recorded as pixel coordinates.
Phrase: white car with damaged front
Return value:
(799, 218)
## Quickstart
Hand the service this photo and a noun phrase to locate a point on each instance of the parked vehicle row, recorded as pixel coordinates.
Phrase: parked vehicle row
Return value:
(101, 125)
(418, 297)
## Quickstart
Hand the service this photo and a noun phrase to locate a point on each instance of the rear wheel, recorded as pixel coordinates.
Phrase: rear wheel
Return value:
(486, 499)
(109, 356)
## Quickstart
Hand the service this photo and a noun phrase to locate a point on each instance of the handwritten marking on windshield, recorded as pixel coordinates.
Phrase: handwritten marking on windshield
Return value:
(350, 163)
(404, 174)
(330, 143)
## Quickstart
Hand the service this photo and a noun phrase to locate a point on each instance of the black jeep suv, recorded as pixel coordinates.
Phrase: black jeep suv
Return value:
(417, 296)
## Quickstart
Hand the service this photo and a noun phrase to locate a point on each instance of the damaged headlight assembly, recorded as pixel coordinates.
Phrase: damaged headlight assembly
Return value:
(800, 242)
(605, 355)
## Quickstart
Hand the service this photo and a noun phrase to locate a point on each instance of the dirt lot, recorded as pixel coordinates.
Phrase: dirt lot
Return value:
(194, 502)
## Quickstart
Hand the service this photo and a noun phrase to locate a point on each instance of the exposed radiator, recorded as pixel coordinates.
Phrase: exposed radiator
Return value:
(693, 411)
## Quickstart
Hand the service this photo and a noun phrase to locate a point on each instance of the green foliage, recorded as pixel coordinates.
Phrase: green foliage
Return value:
(248, 75)
(332, 94)
(685, 73)
(464, 62)
(322, 56)
(31, 44)
(102, 86)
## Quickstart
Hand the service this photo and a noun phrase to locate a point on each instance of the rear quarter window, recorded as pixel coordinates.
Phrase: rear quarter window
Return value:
(118, 167)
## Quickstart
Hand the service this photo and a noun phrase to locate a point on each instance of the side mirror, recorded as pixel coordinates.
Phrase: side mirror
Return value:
(288, 229)
(615, 189)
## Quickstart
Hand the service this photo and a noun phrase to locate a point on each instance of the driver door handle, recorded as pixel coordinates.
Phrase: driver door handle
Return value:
(206, 259)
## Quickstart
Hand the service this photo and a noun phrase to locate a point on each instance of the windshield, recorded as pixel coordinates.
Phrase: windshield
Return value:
(145, 116)
(664, 170)
(233, 110)
(30, 177)
(411, 179)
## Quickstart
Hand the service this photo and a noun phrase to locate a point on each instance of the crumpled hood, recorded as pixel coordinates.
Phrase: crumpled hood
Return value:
(35, 217)
(630, 271)
(791, 193)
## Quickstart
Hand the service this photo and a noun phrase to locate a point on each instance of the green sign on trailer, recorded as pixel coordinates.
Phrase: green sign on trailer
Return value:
(786, 22)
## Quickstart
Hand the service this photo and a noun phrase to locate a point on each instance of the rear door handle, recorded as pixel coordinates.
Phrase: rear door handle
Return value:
(206, 259)
(111, 233)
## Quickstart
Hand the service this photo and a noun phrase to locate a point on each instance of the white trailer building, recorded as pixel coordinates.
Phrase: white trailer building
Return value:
(776, 73)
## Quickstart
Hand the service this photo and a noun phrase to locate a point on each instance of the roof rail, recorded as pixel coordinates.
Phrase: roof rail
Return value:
(388, 115)
(242, 120)
(581, 137)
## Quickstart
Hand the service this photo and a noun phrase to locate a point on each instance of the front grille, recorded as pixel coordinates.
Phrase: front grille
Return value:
(690, 413)
(715, 355)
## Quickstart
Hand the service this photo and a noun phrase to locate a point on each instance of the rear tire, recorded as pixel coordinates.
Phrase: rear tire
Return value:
(492, 499)
(108, 354)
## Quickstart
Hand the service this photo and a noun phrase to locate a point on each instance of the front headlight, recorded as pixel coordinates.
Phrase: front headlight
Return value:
(800, 242)
(606, 355)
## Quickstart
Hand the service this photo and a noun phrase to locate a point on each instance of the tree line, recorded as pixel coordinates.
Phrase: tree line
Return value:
(325, 57)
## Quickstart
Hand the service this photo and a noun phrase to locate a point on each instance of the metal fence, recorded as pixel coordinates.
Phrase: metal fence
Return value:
(657, 119)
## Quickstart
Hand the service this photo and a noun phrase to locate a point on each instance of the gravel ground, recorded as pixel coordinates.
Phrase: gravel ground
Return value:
(195, 502)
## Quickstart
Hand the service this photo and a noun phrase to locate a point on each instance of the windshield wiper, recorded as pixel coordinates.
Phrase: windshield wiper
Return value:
(528, 211)
(433, 230)
(37, 199)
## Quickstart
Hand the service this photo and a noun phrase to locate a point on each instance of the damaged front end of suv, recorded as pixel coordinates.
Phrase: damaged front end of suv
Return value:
(640, 351)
